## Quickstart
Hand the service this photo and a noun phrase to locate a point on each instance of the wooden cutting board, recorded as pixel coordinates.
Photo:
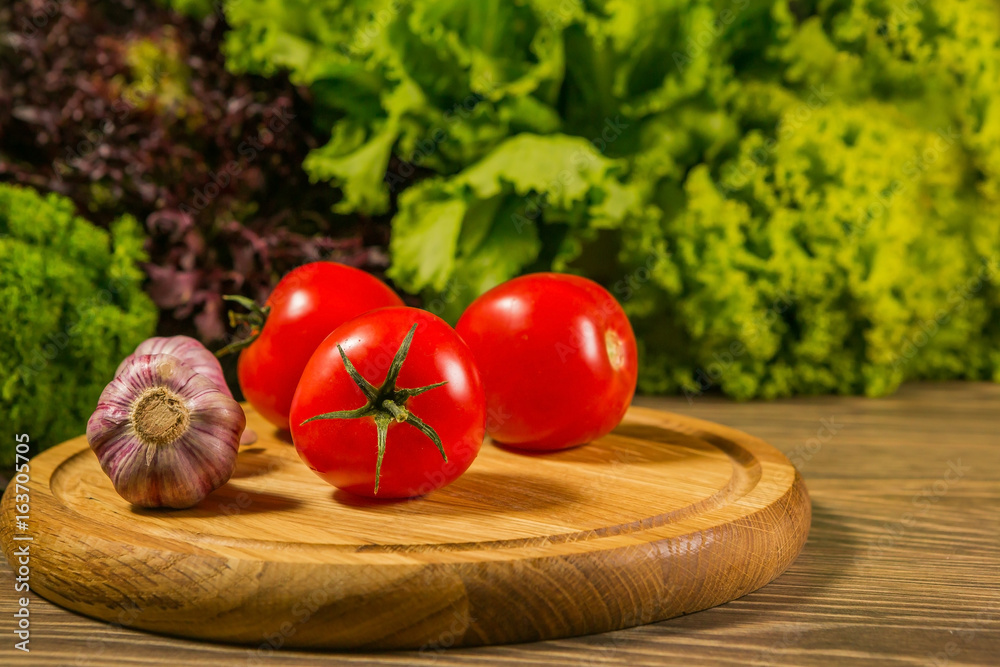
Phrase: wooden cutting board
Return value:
(667, 515)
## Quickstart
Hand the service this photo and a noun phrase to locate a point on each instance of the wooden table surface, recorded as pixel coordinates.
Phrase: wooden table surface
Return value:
(902, 566)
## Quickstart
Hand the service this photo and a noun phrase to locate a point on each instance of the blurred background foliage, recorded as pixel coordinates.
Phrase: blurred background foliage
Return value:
(126, 107)
(787, 196)
(73, 307)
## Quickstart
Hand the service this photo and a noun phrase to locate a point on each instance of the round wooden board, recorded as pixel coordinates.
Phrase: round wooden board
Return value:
(665, 516)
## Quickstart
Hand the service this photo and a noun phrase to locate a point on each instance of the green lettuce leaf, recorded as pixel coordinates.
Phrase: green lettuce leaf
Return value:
(786, 197)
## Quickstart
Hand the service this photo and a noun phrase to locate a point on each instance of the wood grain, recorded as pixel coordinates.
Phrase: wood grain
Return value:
(665, 516)
(929, 595)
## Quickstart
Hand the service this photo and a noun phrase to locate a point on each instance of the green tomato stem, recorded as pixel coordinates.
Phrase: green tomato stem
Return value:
(386, 404)
(398, 413)
(256, 319)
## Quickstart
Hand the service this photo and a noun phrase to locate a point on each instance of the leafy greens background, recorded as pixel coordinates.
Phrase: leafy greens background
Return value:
(788, 197)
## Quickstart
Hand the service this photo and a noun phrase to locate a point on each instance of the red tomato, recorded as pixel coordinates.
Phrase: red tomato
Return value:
(558, 360)
(305, 306)
(419, 426)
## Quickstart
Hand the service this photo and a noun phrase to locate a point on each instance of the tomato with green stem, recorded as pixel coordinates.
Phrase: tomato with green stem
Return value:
(304, 307)
(558, 359)
(390, 405)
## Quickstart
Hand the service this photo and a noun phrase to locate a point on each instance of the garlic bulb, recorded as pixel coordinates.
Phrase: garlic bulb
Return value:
(192, 354)
(195, 356)
(165, 435)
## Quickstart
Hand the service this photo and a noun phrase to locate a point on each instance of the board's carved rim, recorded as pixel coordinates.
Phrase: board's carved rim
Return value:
(106, 588)
(746, 474)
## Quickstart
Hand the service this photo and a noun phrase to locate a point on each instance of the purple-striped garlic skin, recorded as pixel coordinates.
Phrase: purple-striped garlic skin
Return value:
(166, 435)
(193, 355)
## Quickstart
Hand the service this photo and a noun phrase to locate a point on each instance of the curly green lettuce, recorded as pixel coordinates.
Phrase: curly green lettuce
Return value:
(787, 197)
(71, 308)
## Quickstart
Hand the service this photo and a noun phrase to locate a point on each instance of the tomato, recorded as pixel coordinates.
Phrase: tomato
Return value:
(304, 307)
(558, 360)
(421, 422)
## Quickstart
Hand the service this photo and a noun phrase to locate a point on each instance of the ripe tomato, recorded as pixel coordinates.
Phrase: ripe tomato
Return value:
(305, 306)
(390, 404)
(558, 360)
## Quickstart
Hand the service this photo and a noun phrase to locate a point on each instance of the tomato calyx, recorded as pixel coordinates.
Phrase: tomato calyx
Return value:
(255, 319)
(386, 404)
